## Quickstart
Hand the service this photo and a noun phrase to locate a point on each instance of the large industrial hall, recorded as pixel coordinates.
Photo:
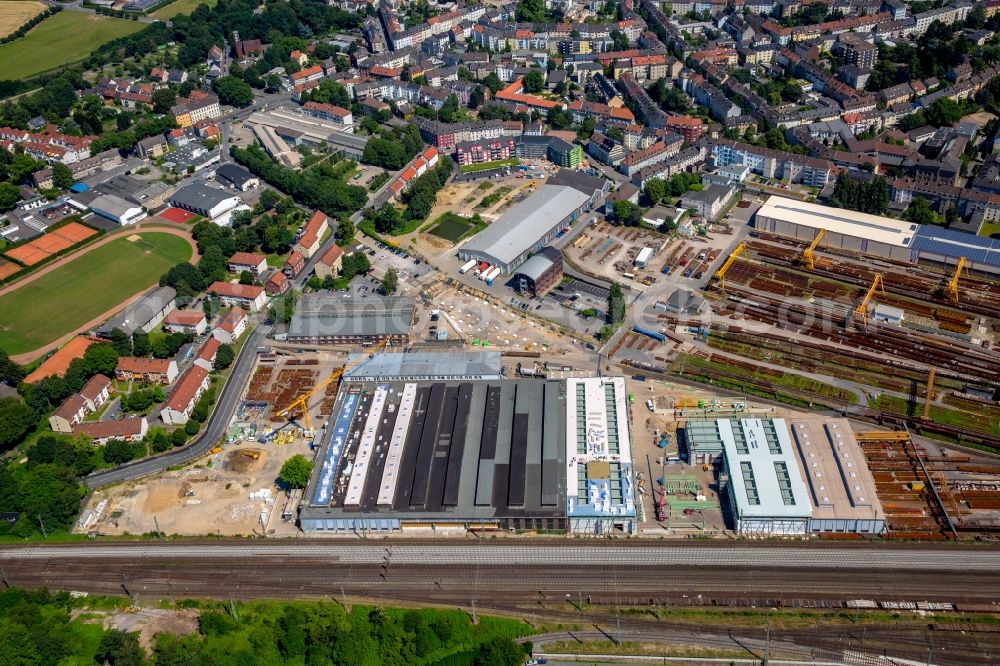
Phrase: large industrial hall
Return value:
(466, 450)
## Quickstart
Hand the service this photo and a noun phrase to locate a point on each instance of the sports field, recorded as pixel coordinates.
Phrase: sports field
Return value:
(180, 7)
(68, 297)
(62, 39)
(15, 13)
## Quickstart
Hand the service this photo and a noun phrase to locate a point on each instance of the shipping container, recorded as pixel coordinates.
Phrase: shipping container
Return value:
(467, 267)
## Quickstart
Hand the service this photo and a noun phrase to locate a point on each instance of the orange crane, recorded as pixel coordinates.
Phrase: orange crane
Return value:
(721, 273)
(301, 403)
(862, 309)
(807, 255)
(952, 288)
(930, 393)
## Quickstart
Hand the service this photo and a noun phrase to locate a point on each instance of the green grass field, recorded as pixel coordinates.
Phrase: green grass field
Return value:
(60, 301)
(454, 228)
(180, 7)
(62, 39)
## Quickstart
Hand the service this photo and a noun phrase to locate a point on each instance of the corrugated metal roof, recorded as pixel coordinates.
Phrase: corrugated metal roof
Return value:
(956, 244)
(427, 364)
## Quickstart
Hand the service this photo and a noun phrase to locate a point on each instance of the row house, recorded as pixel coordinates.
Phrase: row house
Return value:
(420, 164)
(775, 164)
(186, 321)
(232, 326)
(658, 152)
(447, 135)
(253, 263)
(247, 296)
(337, 115)
(648, 110)
(604, 149)
(50, 146)
(149, 370)
(686, 160)
(479, 152)
(312, 234)
(131, 429)
(74, 409)
(179, 405)
(581, 109)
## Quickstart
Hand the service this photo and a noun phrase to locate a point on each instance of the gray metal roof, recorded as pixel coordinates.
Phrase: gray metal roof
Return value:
(536, 265)
(330, 315)
(446, 365)
(199, 196)
(110, 205)
(951, 243)
(523, 225)
(139, 313)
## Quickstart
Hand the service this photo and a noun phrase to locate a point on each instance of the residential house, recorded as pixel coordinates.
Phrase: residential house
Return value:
(277, 283)
(206, 353)
(330, 262)
(177, 410)
(231, 327)
(246, 296)
(152, 147)
(248, 261)
(294, 264)
(130, 429)
(312, 234)
(150, 370)
(186, 321)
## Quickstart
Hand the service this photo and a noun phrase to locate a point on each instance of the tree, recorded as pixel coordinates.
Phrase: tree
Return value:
(233, 91)
(655, 189)
(16, 420)
(531, 11)
(499, 652)
(191, 428)
(389, 282)
(534, 82)
(627, 213)
(9, 196)
(246, 277)
(178, 437)
(118, 648)
(163, 100)
(62, 176)
(345, 231)
(920, 212)
(616, 303)
(493, 82)
(117, 452)
(224, 357)
(121, 342)
(11, 373)
(619, 40)
(101, 359)
(140, 343)
(295, 472)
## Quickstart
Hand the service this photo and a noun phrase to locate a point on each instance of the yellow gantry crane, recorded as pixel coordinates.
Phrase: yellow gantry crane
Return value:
(862, 309)
(930, 392)
(301, 403)
(952, 288)
(721, 273)
(807, 255)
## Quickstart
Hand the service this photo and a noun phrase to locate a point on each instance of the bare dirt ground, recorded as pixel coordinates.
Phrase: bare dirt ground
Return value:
(148, 622)
(212, 497)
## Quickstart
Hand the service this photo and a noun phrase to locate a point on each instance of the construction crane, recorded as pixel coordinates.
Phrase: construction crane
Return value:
(721, 273)
(301, 403)
(930, 393)
(807, 255)
(862, 309)
(952, 288)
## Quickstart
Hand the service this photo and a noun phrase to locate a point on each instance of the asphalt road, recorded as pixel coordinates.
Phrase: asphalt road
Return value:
(214, 429)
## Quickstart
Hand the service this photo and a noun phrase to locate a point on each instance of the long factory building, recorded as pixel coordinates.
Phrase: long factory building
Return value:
(448, 443)
(876, 235)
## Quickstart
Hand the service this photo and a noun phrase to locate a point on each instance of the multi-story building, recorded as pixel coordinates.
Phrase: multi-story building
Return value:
(774, 163)
(478, 152)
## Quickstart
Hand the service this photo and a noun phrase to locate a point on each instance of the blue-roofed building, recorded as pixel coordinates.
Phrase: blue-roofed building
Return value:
(79, 187)
(945, 246)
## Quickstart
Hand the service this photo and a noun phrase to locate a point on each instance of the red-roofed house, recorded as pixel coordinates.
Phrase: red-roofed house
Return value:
(71, 412)
(312, 234)
(329, 112)
(314, 73)
(248, 261)
(186, 321)
(206, 355)
(294, 264)
(330, 263)
(152, 370)
(688, 127)
(231, 327)
(177, 409)
(247, 296)
(277, 284)
(101, 432)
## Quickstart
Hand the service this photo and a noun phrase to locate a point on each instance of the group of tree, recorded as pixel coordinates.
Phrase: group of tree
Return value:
(616, 304)
(141, 399)
(320, 187)
(140, 344)
(668, 97)
(283, 307)
(233, 91)
(863, 195)
(295, 472)
(389, 282)
(920, 212)
(38, 627)
(627, 213)
(657, 190)
(392, 150)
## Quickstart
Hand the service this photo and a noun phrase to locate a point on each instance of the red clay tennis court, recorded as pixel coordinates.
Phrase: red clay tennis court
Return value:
(178, 215)
(58, 363)
(8, 268)
(55, 241)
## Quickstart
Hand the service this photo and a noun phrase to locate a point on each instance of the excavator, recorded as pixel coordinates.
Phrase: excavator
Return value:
(300, 406)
